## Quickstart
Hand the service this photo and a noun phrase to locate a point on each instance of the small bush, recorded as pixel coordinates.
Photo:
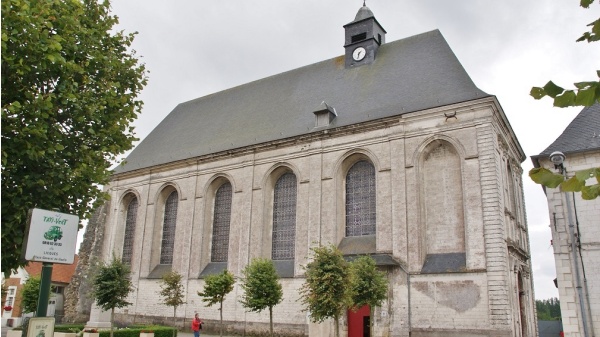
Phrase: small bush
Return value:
(131, 331)
(159, 331)
(68, 328)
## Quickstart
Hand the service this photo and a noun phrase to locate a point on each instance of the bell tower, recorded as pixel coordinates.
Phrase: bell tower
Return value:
(364, 35)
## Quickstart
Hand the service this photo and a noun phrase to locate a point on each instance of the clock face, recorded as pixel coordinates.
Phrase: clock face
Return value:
(359, 54)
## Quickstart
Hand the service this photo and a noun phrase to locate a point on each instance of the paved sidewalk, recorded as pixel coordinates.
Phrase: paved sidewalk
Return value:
(179, 333)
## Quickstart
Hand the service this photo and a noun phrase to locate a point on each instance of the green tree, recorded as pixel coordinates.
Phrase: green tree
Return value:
(171, 290)
(548, 310)
(69, 84)
(325, 292)
(216, 287)
(30, 294)
(585, 94)
(368, 286)
(261, 287)
(111, 287)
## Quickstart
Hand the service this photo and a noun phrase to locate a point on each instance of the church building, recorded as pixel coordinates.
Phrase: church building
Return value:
(389, 150)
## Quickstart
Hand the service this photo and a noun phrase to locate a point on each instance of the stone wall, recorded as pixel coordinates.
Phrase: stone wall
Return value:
(585, 215)
(78, 300)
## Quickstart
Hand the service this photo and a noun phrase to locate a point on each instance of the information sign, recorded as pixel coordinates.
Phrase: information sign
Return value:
(40, 327)
(51, 237)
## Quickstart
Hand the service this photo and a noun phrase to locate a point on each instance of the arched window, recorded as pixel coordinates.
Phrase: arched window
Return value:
(130, 218)
(284, 217)
(360, 199)
(221, 221)
(168, 235)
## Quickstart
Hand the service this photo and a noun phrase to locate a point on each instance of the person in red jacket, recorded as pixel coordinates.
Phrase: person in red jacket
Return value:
(196, 325)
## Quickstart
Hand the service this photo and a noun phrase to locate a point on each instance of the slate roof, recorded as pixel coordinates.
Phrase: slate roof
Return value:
(582, 134)
(412, 74)
(549, 328)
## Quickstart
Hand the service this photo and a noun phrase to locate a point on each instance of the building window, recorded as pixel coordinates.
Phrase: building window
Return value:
(168, 235)
(359, 37)
(130, 218)
(284, 217)
(221, 221)
(10, 298)
(360, 199)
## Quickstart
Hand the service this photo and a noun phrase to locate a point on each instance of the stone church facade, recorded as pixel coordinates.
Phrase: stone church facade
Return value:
(389, 150)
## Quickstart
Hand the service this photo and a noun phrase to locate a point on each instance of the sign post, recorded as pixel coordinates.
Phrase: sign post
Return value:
(50, 238)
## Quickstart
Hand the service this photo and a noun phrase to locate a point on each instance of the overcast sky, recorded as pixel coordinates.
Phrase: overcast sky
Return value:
(195, 48)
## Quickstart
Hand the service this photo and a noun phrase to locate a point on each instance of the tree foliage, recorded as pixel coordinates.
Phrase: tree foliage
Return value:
(368, 286)
(325, 291)
(585, 93)
(216, 287)
(548, 310)
(69, 88)
(171, 290)
(261, 286)
(577, 183)
(111, 287)
(30, 294)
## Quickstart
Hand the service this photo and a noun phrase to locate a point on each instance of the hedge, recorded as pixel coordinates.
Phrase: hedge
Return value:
(159, 331)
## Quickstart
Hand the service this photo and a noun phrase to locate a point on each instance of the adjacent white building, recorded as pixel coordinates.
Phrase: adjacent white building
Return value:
(575, 226)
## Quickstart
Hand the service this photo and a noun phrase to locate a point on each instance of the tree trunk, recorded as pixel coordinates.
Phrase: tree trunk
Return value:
(271, 319)
(221, 313)
(112, 320)
(174, 318)
(336, 322)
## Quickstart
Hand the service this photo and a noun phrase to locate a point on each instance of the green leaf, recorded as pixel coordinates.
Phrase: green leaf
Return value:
(584, 175)
(572, 185)
(586, 97)
(565, 100)
(590, 192)
(545, 177)
(552, 89)
(586, 3)
(537, 92)
(584, 85)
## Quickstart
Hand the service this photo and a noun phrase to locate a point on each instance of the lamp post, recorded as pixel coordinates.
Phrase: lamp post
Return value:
(558, 159)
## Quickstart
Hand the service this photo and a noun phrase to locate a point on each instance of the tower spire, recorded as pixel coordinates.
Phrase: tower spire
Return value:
(363, 37)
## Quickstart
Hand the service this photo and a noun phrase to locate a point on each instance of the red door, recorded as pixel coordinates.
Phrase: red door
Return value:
(359, 322)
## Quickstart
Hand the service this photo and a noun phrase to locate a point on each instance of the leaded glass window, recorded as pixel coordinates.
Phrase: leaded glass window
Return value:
(360, 199)
(284, 217)
(221, 221)
(130, 219)
(169, 223)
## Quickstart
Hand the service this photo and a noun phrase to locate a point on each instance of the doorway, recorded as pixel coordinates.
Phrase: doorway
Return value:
(359, 322)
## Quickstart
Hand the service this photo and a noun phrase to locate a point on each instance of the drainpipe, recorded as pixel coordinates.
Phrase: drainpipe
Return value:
(576, 261)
